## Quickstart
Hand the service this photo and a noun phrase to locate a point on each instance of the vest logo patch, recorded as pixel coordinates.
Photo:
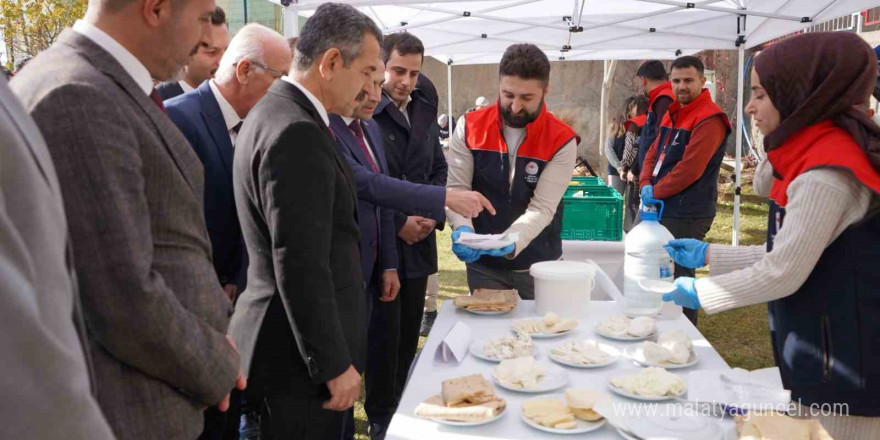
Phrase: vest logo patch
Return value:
(531, 168)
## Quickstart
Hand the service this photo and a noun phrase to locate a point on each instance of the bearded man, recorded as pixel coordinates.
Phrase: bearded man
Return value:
(520, 156)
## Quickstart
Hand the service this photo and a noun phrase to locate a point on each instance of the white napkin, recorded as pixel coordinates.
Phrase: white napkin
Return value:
(454, 346)
(744, 389)
(487, 241)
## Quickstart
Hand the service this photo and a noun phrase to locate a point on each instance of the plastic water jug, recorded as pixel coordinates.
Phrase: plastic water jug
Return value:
(646, 259)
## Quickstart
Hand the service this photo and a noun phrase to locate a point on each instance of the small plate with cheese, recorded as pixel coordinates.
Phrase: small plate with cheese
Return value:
(584, 354)
(569, 413)
(508, 346)
(550, 326)
(526, 375)
(649, 384)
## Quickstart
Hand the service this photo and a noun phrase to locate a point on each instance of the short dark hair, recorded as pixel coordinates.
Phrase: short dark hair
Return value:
(525, 61)
(653, 70)
(640, 102)
(218, 17)
(334, 25)
(21, 63)
(689, 61)
(404, 43)
(292, 43)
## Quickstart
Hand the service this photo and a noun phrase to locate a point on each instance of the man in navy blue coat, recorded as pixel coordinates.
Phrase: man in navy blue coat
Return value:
(380, 197)
(210, 118)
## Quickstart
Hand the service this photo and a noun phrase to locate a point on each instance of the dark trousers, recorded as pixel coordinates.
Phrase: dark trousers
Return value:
(480, 276)
(372, 293)
(696, 228)
(393, 340)
(631, 206)
(296, 417)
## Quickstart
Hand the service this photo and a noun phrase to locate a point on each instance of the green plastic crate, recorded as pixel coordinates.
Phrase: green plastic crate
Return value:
(586, 181)
(598, 216)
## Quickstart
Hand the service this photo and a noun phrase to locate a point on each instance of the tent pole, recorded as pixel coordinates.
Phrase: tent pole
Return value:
(740, 85)
(602, 106)
(290, 20)
(449, 94)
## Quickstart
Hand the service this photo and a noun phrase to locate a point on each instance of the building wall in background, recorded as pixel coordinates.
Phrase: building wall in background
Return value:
(258, 11)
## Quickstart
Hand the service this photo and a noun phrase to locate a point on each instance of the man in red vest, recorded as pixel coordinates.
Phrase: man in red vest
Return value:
(682, 165)
(521, 158)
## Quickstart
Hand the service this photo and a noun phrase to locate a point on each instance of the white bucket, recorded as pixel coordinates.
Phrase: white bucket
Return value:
(563, 287)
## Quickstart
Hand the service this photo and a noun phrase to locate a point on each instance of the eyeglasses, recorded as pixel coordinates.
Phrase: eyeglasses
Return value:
(275, 73)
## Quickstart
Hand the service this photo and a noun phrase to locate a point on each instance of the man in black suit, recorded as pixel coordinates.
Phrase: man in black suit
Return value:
(205, 59)
(407, 116)
(299, 324)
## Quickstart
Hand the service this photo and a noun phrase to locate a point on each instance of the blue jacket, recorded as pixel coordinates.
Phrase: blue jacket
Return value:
(197, 114)
(374, 221)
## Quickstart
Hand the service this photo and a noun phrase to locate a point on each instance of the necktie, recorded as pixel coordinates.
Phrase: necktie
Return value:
(355, 126)
(154, 95)
(237, 127)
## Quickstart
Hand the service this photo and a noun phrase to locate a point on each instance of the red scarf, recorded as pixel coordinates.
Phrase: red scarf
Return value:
(639, 121)
(823, 144)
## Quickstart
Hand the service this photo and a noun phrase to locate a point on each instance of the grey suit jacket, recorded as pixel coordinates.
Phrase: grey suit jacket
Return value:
(155, 313)
(46, 391)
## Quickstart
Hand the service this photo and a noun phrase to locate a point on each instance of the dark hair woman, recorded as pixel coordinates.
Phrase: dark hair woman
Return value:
(818, 271)
(637, 114)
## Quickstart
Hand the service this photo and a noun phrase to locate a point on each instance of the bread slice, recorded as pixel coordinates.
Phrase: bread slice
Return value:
(434, 408)
(466, 390)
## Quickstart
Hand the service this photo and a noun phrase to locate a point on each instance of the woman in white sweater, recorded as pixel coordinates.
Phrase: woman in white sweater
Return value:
(819, 271)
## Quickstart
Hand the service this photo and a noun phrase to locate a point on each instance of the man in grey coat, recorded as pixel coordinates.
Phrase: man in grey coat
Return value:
(155, 313)
(46, 391)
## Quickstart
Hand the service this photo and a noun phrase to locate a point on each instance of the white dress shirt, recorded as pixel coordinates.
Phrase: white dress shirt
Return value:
(230, 116)
(185, 86)
(130, 64)
(402, 108)
(321, 110)
(367, 142)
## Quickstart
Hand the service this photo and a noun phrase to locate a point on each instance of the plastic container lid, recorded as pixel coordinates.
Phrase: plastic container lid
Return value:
(562, 270)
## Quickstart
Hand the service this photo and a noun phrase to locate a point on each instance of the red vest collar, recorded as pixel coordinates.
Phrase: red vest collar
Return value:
(664, 89)
(544, 136)
(823, 144)
(639, 121)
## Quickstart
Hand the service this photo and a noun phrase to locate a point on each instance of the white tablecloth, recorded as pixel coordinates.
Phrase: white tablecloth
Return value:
(428, 374)
(607, 254)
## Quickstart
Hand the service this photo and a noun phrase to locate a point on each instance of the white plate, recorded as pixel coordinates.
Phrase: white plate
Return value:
(582, 425)
(657, 286)
(613, 352)
(489, 312)
(476, 349)
(554, 378)
(676, 426)
(541, 335)
(627, 338)
(635, 353)
(477, 423)
(623, 393)
(487, 241)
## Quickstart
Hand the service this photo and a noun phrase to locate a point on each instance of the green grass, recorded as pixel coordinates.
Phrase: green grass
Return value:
(741, 336)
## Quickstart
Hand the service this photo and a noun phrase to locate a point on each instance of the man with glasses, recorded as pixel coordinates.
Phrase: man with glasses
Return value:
(210, 118)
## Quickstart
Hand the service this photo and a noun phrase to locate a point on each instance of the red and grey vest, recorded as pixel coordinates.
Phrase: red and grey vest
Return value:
(699, 199)
(544, 137)
(652, 123)
(825, 334)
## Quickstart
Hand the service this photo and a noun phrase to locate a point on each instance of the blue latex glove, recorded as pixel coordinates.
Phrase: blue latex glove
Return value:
(685, 294)
(647, 195)
(687, 252)
(464, 253)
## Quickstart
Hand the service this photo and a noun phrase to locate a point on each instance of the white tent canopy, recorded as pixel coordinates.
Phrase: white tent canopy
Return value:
(478, 31)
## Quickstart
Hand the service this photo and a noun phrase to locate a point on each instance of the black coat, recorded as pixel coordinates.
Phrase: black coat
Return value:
(415, 155)
(300, 322)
